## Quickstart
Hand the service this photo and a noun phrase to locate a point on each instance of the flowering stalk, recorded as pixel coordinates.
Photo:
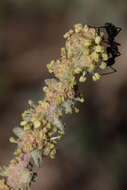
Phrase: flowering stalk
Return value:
(41, 127)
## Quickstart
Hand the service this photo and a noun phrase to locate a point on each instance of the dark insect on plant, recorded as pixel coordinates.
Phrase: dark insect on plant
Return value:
(77, 91)
(34, 176)
(112, 45)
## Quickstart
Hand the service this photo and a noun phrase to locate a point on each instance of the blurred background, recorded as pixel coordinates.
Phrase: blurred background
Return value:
(93, 153)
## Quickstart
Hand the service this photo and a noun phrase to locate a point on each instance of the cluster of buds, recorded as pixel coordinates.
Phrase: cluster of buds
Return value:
(41, 127)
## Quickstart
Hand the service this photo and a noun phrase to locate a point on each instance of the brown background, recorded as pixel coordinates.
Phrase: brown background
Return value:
(93, 154)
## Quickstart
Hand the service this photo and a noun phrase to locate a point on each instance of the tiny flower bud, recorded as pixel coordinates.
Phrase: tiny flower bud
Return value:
(95, 56)
(12, 140)
(98, 40)
(37, 124)
(96, 77)
(104, 56)
(27, 127)
(99, 49)
(30, 102)
(50, 66)
(77, 70)
(52, 154)
(63, 52)
(103, 65)
(81, 100)
(78, 27)
(82, 79)
(22, 123)
(76, 110)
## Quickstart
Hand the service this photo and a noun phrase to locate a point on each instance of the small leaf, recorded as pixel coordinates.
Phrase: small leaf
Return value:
(3, 172)
(25, 177)
(37, 157)
(46, 151)
(67, 106)
(19, 132)
(58, 123)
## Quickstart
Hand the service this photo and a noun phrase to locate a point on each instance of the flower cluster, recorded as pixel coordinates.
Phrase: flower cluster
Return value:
(41, 127)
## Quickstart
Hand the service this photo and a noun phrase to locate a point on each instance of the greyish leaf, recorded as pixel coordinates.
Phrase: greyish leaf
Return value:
(26, 177)
(37, 157)
(67, 106)
(19, 132)
(3, 172)
(58, 123)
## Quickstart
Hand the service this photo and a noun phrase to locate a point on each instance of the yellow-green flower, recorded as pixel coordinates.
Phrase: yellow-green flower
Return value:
(42, 127)
(96, 77)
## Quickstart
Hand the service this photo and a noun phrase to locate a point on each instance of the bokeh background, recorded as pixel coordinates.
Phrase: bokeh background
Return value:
(93, 153)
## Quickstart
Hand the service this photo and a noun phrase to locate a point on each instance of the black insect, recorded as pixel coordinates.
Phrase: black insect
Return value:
(34, 177)
(77, 91)
(112, 45)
